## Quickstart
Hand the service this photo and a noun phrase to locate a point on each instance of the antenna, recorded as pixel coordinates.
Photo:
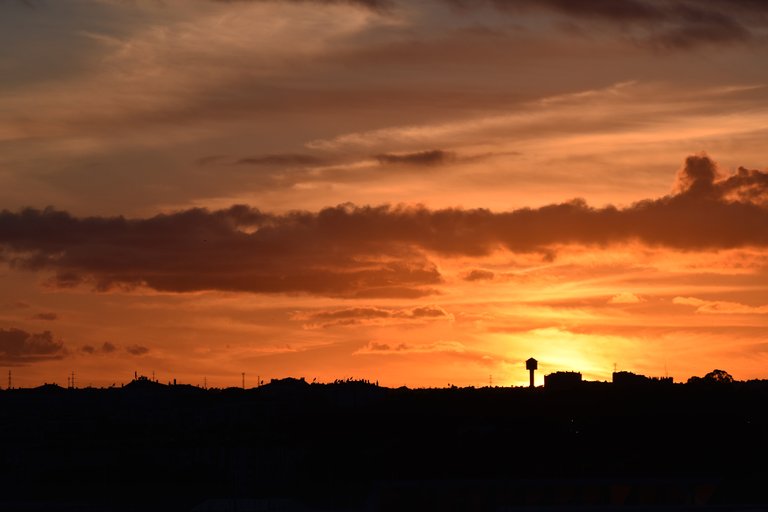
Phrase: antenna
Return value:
(10, 381)
(490, 380)
(153, 375)
(205, 382)
(614, 367)
(73, 379)
(243, 380)
(258, 381)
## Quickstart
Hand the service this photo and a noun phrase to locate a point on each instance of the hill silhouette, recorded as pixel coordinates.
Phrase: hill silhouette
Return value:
(353, 445)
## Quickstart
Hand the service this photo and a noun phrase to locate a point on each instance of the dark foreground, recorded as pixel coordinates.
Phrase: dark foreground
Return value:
(354, 446)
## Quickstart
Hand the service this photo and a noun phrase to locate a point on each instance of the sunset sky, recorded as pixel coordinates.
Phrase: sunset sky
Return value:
(419, 192)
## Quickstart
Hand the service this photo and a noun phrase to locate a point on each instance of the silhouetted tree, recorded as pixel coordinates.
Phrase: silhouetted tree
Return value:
(718, 376)
(713, 377)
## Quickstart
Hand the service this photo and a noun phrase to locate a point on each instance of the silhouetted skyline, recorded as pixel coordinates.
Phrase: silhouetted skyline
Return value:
(413, 192)
(355, 445)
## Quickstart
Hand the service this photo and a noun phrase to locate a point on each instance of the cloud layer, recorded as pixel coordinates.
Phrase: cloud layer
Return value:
(368, 251)
(21, 347)
(374, 316)
(666, 24)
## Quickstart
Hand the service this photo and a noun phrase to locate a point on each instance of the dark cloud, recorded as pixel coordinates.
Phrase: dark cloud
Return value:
(19, 304)
(372, 315)
(323, 253)
(370, 4)
(46, 316)
(745, 186)
(137, 350)
(283, 159)
(700, 179)
(351, 314)
(26, 3)
(626, 10)
(380, 347)
(662, 23)
(666, 24)
(429, 312)
(106, 348)
(447, 347)
(433, 157)
(450, 349)
(479, 275)
(367, 251)
(697, 177)
(21, 347)
(697, 25)
(211, 159)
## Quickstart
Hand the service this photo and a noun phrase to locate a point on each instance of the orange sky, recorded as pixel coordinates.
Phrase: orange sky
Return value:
(429, 192)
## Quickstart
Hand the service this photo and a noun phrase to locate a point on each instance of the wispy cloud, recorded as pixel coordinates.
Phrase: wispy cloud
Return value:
(720, 307)
(420, 158)
(625, 298)
(373, 316)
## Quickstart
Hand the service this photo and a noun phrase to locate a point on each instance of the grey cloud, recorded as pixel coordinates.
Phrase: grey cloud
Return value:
(19, 304)
(425, 158)
(444, 348)
(137, 350)
(665, 24)
(46, 316)
(107, 348)
(22, 347)
(368, 315)
(282, 159)
(367, 251)
(210, 159)
(626, 10)
(378, 5)
(479, 275)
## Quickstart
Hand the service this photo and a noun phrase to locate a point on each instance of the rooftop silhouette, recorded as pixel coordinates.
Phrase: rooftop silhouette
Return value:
(348, 443)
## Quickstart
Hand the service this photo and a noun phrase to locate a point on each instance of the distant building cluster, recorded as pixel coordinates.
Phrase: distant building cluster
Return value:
(562, 380)
(571, 380)
(629, 379)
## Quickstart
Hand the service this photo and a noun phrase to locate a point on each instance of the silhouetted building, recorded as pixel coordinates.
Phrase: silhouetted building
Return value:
(531, 365)
(562, 380)
(629, 379)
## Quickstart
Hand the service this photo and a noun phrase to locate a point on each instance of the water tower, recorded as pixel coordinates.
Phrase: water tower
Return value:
(531, 365)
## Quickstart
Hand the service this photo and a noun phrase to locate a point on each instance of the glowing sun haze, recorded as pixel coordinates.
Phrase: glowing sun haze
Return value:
(416, 192)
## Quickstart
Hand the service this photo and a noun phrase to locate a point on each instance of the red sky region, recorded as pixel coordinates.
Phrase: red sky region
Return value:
(421, 193)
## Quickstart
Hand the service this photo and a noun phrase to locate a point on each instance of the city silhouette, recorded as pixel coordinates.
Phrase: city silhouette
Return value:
(383, 255)
(288, 444)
